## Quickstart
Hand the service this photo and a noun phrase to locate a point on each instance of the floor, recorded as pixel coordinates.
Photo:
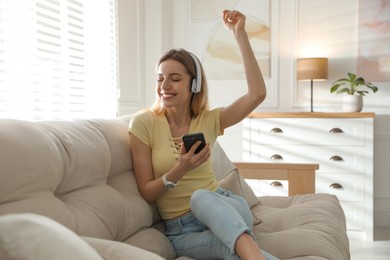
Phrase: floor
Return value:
(379, 249)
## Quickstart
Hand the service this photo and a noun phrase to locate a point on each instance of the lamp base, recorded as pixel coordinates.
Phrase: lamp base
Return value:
(311, 95)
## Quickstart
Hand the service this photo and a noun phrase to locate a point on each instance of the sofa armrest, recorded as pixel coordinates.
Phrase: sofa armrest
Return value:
(300, 176)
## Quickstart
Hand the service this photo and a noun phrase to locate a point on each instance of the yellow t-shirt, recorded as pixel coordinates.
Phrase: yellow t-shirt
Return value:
(154, 131)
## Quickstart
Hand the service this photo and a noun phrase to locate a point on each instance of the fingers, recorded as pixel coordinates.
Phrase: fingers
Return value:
(231, 16)
(182, 149)
(228, 16)
(201, 156)
(205, 152)
(195, 147)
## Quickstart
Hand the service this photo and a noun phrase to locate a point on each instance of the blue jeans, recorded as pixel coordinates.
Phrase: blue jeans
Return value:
(212, 227)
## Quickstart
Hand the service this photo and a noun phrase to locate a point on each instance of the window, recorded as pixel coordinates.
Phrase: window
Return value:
(58, 59)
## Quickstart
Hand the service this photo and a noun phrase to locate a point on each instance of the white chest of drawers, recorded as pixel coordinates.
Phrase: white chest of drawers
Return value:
(342, 144)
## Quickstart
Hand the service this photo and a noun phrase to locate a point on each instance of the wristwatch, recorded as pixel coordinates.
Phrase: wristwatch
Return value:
(168, 184)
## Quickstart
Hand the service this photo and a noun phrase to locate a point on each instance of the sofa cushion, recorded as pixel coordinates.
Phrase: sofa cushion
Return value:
(303, 225)
(153, 240)
(78, 173)
(114, 250)
(35, 237)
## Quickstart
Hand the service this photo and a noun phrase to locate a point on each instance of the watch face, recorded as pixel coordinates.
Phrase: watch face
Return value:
(169, 185)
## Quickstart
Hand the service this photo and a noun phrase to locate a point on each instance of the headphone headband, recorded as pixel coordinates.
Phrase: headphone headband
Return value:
(197, 81)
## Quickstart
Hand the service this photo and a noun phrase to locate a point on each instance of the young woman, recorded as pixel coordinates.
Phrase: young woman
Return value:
(203, 221)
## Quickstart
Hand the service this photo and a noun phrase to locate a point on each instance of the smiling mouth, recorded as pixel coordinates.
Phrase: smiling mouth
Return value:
(166, 95)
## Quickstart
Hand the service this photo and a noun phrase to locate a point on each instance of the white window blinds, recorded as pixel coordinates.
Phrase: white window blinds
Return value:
(58, 59)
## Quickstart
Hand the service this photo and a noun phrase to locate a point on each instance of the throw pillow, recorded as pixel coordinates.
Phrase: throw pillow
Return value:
(223, 168)
(236, 184)
(28, 236)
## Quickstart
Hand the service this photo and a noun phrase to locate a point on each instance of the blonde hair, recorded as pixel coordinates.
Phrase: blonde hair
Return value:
(199, 101)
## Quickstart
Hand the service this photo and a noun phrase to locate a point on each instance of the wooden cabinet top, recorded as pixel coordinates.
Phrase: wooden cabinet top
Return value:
(311, 115)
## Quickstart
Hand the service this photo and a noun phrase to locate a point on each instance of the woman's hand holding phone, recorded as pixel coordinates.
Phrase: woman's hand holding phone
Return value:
(190, 139)
(194, 151)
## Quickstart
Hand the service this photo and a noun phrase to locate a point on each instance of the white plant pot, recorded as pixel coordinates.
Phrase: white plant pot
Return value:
(352, 103)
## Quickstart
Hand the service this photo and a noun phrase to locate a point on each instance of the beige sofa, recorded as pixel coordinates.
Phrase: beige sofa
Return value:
(67, 191)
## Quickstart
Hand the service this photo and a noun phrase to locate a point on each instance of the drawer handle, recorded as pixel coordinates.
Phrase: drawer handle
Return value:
(336, 130)
(276, 184)
(336, 158)
(276, 130)
(336, 186)
(276, 157)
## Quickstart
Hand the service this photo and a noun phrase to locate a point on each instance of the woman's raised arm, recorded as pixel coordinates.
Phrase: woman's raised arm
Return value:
(234, 21)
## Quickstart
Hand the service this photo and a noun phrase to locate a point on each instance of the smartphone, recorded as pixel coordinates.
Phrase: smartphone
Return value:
(190, 139)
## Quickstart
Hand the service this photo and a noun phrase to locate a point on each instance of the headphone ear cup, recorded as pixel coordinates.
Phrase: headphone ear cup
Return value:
(197, 80)
(193, 85)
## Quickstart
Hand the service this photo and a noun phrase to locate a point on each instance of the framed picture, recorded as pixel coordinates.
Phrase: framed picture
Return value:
(217, 49)
(374, 40)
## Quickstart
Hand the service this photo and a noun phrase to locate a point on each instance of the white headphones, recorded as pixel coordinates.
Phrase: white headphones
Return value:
(197, 81)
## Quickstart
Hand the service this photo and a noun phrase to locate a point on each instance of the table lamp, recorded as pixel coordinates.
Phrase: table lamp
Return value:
(312, 69)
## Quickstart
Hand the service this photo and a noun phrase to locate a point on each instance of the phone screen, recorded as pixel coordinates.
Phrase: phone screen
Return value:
(190, 139)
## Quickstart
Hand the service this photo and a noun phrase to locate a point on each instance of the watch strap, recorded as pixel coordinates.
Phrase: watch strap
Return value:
(168, 184)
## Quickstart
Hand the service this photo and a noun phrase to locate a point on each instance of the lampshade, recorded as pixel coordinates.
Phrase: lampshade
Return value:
(312, 69)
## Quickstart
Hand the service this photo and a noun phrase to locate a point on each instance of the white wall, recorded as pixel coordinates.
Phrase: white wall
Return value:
(150, 27)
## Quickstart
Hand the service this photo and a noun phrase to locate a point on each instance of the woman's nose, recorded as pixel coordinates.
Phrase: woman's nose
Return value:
(165, 84)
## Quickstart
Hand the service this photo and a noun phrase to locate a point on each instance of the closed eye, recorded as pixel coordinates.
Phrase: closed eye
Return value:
(173, 78)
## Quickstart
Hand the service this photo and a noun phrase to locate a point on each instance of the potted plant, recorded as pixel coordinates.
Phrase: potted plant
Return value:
(353, 87)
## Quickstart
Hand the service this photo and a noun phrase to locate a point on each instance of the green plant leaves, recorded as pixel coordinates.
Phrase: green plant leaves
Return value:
(352, 85)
